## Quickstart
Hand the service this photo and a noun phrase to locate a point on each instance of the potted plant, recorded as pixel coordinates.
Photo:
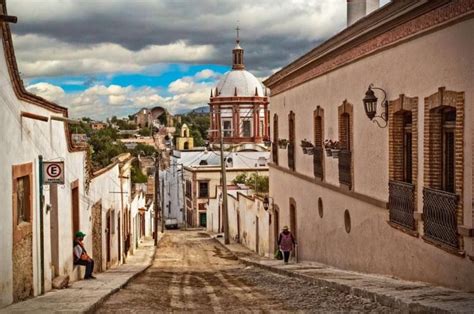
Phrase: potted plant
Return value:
(282, 143)
(307, 147)
(328, 147)
(335, 149)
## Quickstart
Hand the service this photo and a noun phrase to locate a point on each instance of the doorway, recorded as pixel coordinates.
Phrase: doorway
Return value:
(238, 227)
(108, 236)
(119, 239)
(202, 219)
(257, 236)
(293, 225)
(53, 195)
(276, 227)
(97, 235)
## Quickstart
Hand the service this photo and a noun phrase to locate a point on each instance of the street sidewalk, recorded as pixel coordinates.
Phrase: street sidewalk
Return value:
(85, 295)
(406, 296)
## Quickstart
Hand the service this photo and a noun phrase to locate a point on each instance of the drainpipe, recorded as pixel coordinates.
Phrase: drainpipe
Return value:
(41, 218)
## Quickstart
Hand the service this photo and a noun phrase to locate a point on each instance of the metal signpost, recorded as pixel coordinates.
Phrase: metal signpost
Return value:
(50, 172)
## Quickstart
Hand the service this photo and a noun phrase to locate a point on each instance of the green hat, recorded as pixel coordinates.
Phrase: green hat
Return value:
(80, 234)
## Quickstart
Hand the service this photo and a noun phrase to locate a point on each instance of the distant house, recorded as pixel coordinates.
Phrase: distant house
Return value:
(98, 125)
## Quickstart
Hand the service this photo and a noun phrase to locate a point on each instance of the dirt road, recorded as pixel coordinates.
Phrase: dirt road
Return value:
(192, 272)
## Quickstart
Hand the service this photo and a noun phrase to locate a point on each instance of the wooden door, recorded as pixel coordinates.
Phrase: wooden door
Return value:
(108, 236)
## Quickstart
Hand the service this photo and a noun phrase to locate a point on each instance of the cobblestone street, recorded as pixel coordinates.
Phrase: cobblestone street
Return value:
(192, 272)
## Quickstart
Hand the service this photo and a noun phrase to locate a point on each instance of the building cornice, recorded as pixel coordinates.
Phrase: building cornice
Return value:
(394, 23)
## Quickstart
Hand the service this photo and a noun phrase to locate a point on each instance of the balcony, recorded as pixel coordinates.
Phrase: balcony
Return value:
(439, 215)
(345, 167)
(318, 162)
(401, 202)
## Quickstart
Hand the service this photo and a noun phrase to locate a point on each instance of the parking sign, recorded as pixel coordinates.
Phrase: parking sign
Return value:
(53, 172)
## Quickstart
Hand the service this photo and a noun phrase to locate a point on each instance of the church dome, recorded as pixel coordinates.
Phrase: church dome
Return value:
(244, 81)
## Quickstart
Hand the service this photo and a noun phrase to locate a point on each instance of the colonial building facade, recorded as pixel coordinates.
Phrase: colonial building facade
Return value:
(395, 196)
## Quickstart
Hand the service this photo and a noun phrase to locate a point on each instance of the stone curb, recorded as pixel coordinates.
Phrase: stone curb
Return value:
(94, 307)
(387, 300)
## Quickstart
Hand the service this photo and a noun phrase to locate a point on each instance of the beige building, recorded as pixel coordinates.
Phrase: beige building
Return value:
(202, 176)
(185, 141)
(393, 197)
(97, 125)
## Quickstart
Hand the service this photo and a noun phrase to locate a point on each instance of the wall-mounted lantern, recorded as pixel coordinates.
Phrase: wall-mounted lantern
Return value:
(266, 202)
(370, 105)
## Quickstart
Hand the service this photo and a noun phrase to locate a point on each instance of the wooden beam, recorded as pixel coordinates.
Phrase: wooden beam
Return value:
(8, 19)
(33, 116)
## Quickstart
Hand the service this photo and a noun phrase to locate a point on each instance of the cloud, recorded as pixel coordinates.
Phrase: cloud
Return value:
(43, 56)
(56, 37)
(101, 101)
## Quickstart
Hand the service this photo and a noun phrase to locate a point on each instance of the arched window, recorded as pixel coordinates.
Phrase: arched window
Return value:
(318, 153)
(345, 140)
(275, 139)
(291, 140)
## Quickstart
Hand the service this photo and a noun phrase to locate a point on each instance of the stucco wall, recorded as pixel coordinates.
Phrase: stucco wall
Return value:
(246, 210)
(416, 68)
(26, 140)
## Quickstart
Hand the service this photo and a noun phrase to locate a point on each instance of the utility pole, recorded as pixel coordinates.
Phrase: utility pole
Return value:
(225, 215)
(157, 189)
(184, 197)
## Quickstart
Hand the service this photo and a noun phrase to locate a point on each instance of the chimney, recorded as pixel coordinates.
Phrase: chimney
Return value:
(357, 9)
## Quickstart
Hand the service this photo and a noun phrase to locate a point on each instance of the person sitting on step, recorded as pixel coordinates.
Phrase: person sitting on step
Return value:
(81, 257)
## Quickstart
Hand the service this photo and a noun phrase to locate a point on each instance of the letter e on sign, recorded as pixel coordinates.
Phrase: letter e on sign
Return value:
(53, 172)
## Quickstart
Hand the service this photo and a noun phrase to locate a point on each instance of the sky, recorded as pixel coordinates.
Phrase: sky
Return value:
(102, 58)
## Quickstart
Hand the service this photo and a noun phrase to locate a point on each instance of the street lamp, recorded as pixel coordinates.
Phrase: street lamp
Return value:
(370, 105)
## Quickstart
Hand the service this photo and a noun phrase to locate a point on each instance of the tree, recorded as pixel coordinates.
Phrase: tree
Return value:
(145, 132)
(143, 150)
(105, 146)
(256, 182)
(137, 174)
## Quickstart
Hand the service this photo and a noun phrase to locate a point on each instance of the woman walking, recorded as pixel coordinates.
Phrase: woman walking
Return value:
(286, 243)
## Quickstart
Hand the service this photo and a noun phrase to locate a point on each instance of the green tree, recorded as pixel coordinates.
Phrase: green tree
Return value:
(145, 132)
(137, 174)
(143, 150)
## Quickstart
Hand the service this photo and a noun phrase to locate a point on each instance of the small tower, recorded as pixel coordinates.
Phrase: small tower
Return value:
(238, 53)
(185, 141)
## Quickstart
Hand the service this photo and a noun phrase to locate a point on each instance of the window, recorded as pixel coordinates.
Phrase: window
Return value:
(291, 145)
(318, 152)
(407, 148)
(23, 199)
(203, 189)
(402, 124)
(449, 121)
(275, 139)
(227, 128)
(345, 139)
(246, 128)
(188, 188)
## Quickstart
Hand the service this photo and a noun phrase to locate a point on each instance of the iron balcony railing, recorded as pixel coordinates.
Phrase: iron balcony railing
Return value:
(291, 156)
(318, 162)
(401, 202)
(345, 167)
(439, 216)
